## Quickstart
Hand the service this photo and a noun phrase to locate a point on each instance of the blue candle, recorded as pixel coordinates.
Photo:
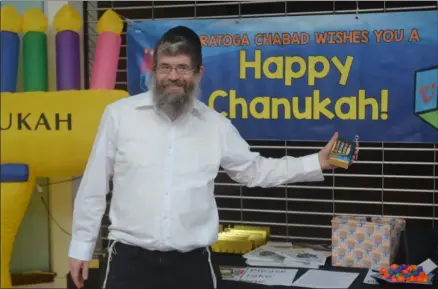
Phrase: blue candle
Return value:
(10, 41)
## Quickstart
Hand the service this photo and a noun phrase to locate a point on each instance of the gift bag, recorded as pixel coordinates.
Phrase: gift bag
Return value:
(363, 242)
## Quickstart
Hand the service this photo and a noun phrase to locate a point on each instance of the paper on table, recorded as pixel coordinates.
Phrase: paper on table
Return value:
(232, 273)
(269, 276)
(325, 279)
(428, 266)
(370, 280)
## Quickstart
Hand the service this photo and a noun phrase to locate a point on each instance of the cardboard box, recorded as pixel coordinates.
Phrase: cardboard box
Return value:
(362, 242)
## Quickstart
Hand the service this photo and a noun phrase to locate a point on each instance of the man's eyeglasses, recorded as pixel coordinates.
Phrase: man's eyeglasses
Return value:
(180, 69)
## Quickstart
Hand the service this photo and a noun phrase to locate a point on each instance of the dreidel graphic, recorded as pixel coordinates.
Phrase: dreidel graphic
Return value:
(426, 95)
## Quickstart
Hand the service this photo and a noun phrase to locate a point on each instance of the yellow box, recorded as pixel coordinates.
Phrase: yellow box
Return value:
(342, 153)
(240, 239)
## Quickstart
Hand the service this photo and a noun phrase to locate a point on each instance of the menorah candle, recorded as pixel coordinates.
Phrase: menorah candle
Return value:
(68, 23)
(106, 58)
(35, 68)
(10, 48)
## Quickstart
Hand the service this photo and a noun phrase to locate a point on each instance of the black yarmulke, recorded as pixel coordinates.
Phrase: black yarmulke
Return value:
(185, 32)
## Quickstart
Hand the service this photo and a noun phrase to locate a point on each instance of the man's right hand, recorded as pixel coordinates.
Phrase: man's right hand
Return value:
(79, 271)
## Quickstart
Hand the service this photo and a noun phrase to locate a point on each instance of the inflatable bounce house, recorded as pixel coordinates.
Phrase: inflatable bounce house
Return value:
(48, 133)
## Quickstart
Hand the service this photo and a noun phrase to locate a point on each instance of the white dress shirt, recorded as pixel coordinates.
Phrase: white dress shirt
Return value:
(163, 174)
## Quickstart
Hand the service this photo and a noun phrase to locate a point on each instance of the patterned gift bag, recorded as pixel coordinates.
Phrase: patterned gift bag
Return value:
(363, 242)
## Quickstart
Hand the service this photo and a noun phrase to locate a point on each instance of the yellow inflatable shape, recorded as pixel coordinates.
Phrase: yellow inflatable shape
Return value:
(34, 20)
(15, 198)
(67, 18)
(10, 19)
(52, 132)
(110, 22)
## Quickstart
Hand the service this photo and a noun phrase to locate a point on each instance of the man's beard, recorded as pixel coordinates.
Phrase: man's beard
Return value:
(174, 103)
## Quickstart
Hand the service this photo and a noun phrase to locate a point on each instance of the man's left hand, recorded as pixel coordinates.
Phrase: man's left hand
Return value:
(325, 152)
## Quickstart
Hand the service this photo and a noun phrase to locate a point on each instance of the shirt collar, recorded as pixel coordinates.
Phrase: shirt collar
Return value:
(145, 100)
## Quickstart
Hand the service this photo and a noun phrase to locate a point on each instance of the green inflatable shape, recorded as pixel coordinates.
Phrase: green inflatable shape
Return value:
(35, 68)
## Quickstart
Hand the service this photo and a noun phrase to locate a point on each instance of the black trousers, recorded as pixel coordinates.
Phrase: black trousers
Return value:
(137, 268)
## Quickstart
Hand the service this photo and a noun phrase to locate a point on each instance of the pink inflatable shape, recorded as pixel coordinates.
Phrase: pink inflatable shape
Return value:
(106, 61)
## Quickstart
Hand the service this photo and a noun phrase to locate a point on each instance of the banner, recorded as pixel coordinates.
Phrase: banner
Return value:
(303, 78)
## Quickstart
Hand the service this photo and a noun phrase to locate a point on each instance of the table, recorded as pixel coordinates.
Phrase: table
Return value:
(237, 260)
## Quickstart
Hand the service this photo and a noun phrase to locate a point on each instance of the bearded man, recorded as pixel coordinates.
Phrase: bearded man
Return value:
(163, 150)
